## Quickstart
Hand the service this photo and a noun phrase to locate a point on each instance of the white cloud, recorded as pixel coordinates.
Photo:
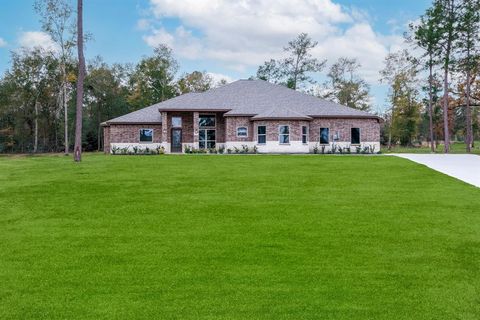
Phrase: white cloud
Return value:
(36, 39)
(217, 77)
(3, 43)
(242, 34)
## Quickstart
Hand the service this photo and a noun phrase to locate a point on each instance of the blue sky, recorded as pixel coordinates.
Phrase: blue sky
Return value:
(227, 38)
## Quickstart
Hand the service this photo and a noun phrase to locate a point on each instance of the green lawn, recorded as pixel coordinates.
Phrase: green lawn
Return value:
(456, 147)
(236, 237)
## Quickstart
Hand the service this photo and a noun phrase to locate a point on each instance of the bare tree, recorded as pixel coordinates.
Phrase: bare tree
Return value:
(81, 76)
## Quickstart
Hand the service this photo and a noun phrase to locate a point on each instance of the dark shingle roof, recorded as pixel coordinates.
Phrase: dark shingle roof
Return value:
(256, 98)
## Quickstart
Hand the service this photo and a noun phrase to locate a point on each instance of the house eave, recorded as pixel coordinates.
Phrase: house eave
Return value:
(240, 115)
(347, 117)
(282, 118)
(192, 110)
(107, 124)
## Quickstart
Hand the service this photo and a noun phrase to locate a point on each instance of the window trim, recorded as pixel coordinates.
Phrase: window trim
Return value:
(283, 134)
(140, 135)
(262, 134)
(305, 134)
(246, 129)
(359, 136)
(181, 122)
(320, 136)
(207, 114)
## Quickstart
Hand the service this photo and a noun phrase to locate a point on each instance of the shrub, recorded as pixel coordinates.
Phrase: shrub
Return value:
(334, 148)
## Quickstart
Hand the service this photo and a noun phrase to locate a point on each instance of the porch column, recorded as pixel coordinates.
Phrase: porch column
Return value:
(165, 143)
(195, 130)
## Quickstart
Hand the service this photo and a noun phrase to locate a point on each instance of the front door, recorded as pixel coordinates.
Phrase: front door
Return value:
(176, 140)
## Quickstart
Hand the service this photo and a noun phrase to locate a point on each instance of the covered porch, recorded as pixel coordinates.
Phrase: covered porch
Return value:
(194, 129)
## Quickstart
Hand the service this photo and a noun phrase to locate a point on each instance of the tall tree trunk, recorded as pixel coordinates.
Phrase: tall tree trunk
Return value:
(81, 76)
(468, 115)
(430, 107)
(295, 76)
(389, 146)
(99, 129)
(99, 138)
(446, 132)
(390, 129)
(65, 107)
(35, 141)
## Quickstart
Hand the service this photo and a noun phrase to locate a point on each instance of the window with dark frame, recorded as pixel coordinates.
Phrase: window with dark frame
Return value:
(206, 138)
(304, 134)
(324, 135)
(284, 134)
(262, 134)
(146, 135)
(355, 136)
(206, 120)
(242, 132)
(206, 133)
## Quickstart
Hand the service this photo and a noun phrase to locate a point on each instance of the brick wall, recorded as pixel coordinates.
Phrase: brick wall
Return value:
(220, 133)
(106, 139)
(129, 133)
(231, 125)
(227, 129)
(369, 129)
(273, 127)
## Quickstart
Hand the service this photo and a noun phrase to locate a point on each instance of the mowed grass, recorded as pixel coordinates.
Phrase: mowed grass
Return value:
(455, 147)
(236, 237)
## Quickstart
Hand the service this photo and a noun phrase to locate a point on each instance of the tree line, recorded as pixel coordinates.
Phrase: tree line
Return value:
(434, 84)
(38, 91)
(447, 68)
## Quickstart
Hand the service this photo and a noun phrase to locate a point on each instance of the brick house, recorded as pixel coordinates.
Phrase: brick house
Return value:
(271, 117)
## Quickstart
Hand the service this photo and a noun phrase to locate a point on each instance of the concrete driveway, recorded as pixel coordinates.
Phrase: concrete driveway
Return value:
(465, 167)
